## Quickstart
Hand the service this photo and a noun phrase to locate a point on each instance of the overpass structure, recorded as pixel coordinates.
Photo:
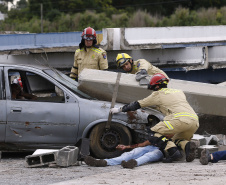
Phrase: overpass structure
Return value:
(182, 49)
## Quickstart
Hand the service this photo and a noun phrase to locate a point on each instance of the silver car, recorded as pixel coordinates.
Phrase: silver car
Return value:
(61, 114)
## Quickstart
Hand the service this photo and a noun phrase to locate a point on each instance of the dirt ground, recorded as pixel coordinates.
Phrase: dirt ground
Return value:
(13, 171)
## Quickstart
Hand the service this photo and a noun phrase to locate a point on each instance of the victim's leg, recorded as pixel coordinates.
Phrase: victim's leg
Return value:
(217, 156)
(133, 154)
(152, 156)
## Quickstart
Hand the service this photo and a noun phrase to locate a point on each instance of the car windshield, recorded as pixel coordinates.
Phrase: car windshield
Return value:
(66, 81)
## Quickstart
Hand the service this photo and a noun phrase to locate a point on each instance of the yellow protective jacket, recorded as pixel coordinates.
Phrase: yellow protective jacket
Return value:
(91, 58)
(144, 64)
(172, 103)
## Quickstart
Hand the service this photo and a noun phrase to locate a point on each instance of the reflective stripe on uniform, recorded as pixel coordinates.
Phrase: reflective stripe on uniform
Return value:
(135, 67)
(78, 50)
(164, 139)
(96, 50)
(168, 125)
(185, 114)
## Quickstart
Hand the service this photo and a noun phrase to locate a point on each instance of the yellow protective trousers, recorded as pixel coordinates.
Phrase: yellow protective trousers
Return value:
(181, 125)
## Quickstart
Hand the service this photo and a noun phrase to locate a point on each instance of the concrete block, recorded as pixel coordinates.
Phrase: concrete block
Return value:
(199, 140)
(67, 156)
(222, 139)
(212, 140)
(43, 159)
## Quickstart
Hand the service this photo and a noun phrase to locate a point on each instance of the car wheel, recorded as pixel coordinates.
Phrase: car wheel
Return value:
(103, 141)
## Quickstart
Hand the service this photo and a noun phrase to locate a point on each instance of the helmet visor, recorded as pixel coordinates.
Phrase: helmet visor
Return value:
(88, 37)
(121, 62)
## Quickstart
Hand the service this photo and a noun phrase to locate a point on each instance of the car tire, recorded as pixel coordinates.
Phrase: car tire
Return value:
(104, 141)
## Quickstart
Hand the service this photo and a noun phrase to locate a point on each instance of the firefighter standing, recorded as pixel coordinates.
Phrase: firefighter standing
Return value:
(89, 55)
(141, 67)
(180, 119)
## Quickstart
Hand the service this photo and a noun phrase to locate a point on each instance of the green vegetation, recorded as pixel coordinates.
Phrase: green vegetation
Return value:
(75, 15)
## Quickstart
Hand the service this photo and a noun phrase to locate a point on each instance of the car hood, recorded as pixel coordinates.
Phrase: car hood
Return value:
(96, 110)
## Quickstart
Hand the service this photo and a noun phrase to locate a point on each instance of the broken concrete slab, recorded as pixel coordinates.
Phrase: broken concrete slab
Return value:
(204, 98)
(43, 151)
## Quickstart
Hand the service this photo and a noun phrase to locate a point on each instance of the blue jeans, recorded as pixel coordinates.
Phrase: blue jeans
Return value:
(141, 154)
(220, 155)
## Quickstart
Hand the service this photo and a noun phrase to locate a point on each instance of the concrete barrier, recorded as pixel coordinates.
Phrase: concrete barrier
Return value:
(204, 98)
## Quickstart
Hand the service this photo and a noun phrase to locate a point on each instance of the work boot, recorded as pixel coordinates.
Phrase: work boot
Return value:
(205, 157)
(129, 164)
(190, 151)
(174, 155)
(95, 162)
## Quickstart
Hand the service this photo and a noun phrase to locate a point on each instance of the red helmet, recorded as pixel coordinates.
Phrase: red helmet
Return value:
(157, 79)
(89, 34)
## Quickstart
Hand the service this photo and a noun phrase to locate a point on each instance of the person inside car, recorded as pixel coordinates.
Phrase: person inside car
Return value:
(17, 93)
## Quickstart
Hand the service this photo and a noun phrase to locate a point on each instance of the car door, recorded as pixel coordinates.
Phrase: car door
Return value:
(53, 118)
(2, 107)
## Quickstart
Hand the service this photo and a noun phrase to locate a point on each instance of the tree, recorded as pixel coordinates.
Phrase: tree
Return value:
(22, 4)
(4, 5)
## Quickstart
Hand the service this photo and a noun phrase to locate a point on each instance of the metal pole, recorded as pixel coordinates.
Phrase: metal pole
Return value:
(41, 18)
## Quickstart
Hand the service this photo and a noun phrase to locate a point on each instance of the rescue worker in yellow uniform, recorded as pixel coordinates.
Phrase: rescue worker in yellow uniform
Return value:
(180, 120)
(142, 68)
(89, 55)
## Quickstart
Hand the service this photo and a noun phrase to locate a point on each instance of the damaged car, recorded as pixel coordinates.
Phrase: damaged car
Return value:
(60, 114)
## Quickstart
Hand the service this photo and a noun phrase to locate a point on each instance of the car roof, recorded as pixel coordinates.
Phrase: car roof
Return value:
(36, 66)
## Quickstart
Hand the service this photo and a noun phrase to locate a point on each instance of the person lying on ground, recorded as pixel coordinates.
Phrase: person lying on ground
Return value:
(207, 157)
(142, 153)
(17, 93)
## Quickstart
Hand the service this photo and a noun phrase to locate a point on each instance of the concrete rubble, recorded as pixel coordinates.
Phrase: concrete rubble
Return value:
(64, 157)
(67, 156)
(213, 143)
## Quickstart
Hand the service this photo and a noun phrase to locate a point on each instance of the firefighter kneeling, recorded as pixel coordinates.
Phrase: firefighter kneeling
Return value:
(180, 119)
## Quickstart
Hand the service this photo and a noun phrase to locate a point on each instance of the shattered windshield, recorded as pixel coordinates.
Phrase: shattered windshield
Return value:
(66, 81)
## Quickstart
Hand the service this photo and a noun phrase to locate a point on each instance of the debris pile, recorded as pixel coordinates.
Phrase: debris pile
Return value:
(213, 143)
(64, 157)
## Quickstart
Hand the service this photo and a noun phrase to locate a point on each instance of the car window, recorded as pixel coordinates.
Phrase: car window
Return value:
(33, 87)
(68, 82)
